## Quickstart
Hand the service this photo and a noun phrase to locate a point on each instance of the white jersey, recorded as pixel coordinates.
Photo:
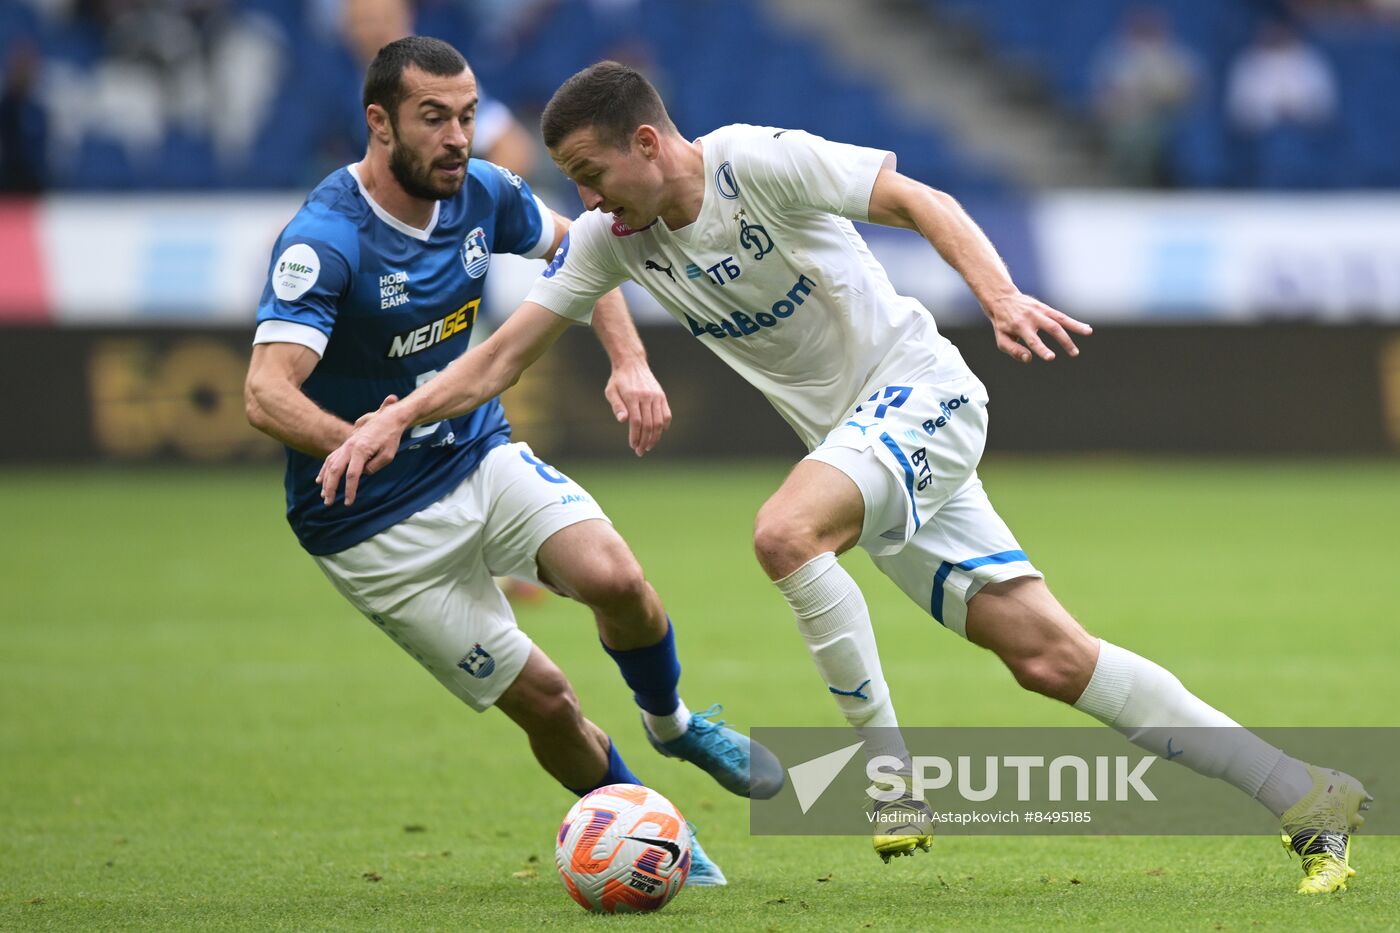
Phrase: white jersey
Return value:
(772, 276)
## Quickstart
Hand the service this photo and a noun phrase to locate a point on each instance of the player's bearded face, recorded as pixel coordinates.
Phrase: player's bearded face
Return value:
(430, 137)
(429, 175)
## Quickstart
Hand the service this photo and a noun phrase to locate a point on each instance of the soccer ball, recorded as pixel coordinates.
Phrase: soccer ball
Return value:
(623, 848)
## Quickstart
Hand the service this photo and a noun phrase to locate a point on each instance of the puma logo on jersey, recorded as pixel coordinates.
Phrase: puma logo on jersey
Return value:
(434, 333)
(654, 266)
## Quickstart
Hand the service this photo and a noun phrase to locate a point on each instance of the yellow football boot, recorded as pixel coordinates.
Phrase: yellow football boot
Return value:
(903, 826)
(1319, 829)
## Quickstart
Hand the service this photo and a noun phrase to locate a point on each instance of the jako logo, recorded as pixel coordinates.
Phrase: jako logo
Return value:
(741, 325)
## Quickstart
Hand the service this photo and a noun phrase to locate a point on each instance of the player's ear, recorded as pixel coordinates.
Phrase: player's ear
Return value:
(379, 126)
(647, 140)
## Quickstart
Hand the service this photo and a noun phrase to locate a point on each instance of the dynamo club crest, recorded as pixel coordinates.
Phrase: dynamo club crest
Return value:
(475, 254)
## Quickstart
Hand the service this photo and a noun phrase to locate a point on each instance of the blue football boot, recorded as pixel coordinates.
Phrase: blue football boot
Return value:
(704, 873)
(742, 767)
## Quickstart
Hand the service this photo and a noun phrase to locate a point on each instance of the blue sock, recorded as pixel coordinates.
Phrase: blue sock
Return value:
(617, 773)
(653, 673)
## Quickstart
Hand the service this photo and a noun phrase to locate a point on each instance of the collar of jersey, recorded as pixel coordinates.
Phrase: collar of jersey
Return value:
(389, 218)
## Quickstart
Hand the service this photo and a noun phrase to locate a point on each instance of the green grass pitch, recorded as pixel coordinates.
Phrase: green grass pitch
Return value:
(198, 733)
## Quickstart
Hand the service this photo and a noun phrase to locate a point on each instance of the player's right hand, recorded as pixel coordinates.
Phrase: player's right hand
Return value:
(369, 448)
(1018, 320)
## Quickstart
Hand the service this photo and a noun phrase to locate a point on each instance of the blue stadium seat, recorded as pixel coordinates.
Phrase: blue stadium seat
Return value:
(1062, 40)
(101, 165)
(723, 61)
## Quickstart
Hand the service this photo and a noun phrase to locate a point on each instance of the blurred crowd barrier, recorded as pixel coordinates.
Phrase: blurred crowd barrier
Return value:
(1108, 257)
(146, 393)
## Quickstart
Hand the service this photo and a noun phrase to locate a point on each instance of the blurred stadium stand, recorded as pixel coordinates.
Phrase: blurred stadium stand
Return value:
(257, 94)
(1061, 42)
(209, 94)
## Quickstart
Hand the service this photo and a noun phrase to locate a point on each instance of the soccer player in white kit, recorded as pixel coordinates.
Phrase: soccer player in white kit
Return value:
(745, 237)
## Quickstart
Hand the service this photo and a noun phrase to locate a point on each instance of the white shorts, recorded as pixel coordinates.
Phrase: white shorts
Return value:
(929, 526)
(427, 582)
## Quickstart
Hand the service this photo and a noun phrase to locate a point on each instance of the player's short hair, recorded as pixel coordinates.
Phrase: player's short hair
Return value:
(384, 79)
(610, 97)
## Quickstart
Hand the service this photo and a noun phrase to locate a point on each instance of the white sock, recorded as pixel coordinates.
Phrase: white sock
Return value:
(668, 727)
(1287, 784)
(1146, 703)
(835, 623)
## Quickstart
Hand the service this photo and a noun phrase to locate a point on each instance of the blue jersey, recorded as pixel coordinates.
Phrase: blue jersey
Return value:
(387, 306)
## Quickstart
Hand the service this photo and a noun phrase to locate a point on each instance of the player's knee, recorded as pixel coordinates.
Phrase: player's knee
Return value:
(615, 585)
(1036, 674)
(783, 542)
(1054, 673)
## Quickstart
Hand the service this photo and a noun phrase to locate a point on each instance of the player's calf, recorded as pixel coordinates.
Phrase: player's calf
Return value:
(1045, 649)
(590, 562)
(543, 704)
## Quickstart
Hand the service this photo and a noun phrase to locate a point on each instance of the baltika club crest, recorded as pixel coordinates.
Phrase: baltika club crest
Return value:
(476, 256)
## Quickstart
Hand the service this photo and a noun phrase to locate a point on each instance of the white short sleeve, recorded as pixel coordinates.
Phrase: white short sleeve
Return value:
(278, 331)
(541, 247)
(584, 269)
(797, 168)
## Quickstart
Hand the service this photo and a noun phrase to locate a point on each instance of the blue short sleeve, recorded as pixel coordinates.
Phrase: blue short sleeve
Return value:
(312, 266)
(523, 224)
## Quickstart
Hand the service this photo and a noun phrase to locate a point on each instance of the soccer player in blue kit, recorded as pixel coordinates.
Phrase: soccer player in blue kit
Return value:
(374, 286)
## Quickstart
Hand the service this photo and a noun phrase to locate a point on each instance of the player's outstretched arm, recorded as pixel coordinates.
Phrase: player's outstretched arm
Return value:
(276, 406)
(635, 395)
(1017, 318)
(476, 376)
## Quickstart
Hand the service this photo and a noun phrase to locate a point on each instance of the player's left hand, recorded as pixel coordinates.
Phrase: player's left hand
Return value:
(369, 448)
(638, 399)
(1018, 320)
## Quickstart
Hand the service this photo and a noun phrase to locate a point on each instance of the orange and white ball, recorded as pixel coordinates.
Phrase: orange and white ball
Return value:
(623, 848)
